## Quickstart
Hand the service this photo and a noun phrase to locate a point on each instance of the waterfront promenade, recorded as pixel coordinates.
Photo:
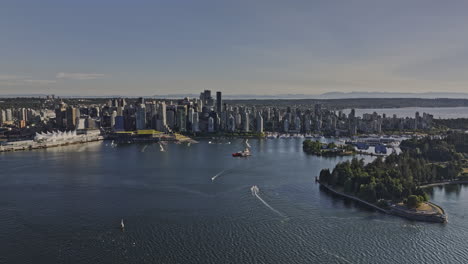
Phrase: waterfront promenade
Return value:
(432, 213)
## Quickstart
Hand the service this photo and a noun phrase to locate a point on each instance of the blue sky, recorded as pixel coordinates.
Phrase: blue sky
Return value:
(116, 47)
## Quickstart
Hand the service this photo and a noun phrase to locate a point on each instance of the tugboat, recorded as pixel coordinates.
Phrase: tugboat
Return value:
(244, 153)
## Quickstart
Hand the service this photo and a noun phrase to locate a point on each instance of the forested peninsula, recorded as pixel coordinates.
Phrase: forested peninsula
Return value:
(394, 182)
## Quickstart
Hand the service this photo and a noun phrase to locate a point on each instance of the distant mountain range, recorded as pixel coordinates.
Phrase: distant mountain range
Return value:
(330, 95)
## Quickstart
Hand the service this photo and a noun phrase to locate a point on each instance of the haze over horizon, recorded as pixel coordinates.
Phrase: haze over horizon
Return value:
(241, 47)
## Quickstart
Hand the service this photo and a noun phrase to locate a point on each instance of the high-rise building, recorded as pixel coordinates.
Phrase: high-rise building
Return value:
(231, 126)
(307, 124)
(8, 115)
(182, 118)
(140, 117)
(206, 98)
(171, 121)
(119, 123)
(219, 103)
(297, 124)
(90, 123)
(81, 124)
(245, 122)
(286, 125)
(259, 123)
(210, 124)
(113, 116)
(129, 118)
(162, 120)
(60, 116)
(22, 123)
(2, 116)
(318, 109)
(195, 122)
(72, 114)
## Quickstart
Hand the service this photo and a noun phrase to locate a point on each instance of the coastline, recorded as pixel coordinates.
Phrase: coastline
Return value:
(342, 154)
(444, 183)
(43, 146)
(395, 209)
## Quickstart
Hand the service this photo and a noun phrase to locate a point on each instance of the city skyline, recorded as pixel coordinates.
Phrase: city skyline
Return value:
(246, 47)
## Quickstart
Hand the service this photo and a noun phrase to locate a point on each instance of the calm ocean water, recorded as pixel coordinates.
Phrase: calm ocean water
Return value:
(64, 205)
(438, 112)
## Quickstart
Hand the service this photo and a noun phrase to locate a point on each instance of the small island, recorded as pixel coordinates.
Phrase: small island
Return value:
(394, 185)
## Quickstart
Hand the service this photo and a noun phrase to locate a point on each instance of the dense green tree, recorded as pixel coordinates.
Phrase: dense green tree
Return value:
(397, 177)
(413, 201)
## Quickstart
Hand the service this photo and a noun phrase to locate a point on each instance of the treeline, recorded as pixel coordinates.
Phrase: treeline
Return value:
(318, 148)
(311, 147)
(435, 150)
(397, 177)
(457, 123)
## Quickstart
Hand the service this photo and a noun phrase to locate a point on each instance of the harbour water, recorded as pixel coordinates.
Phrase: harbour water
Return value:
(65, 204)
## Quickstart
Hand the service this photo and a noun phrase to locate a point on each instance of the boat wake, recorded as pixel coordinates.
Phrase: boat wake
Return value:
(247, 143)
(144, 148)
(217, 175)
(161, 148)
(255, 192)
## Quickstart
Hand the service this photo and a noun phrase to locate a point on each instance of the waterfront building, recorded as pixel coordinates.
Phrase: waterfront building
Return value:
(286, 125)
(231, 126)
(119, 124)
(129, 118)
(195, 122)
(259, 124)
(81, 124)
(223, 119)
(113, 116)
(140, 116)
(90, 123)
(297, 124)
(162, 117)
(182, 118)
(211, 128)
(245, 122)
(238, 120)
(171, 121)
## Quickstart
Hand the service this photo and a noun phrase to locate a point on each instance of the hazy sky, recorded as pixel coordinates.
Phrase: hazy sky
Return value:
(128, 47)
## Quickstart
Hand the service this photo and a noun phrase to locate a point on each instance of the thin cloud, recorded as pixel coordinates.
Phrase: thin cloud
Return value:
(19, 80)
(40, 82)
(9, 77)
(79, 76)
